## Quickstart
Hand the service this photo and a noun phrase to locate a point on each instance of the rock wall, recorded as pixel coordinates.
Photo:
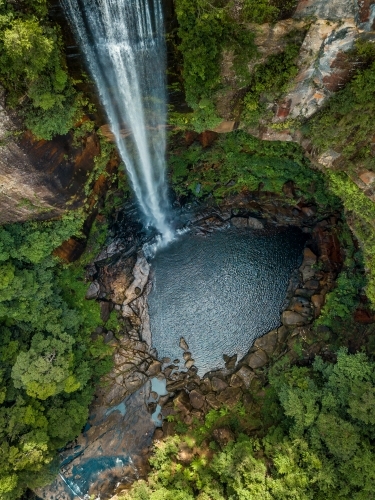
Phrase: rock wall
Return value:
(40, 179)
(331, 29)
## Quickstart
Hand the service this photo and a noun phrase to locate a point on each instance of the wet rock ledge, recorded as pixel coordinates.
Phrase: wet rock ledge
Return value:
(128, 411)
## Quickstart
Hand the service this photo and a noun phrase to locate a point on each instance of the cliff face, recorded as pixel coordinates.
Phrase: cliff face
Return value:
(40, 179)
(330, 30)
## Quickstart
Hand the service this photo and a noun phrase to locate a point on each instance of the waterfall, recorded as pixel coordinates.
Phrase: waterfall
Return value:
(123, 42)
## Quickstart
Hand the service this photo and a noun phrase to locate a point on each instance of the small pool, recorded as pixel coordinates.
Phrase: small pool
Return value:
(221, 292)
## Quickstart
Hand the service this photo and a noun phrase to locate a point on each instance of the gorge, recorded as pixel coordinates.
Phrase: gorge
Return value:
(237, 360)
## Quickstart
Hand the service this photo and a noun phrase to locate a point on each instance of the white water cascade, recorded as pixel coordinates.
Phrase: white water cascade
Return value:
(123, 42)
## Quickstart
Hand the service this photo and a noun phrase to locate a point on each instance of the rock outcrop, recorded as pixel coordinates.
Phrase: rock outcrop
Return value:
(40, 179)
(329, 30)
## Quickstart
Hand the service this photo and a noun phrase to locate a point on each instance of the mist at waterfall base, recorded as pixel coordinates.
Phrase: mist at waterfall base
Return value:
(123, 43)
(220, 292)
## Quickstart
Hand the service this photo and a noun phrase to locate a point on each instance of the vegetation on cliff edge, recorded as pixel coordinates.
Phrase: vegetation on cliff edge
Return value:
(316, 441)
(49, 362)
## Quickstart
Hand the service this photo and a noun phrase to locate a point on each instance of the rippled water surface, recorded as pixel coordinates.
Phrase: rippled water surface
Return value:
(221, 292)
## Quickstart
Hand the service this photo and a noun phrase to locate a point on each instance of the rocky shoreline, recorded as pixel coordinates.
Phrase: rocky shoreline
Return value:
(120, 424)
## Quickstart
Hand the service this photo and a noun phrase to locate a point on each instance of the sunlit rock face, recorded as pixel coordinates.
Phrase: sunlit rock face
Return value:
(220, 292)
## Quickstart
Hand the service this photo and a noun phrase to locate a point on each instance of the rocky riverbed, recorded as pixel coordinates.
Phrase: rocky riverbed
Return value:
(141, 391)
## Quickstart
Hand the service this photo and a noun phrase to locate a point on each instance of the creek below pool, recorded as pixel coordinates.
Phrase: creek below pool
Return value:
(221, 292)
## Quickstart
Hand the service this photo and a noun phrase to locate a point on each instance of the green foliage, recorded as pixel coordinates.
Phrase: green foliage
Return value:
(346, 122)
(240, 162)
(266, 11)
(361, 212)
(346, 125)
(342, 301)
(48, 360)
(269, 78)
(205, 29)
(320, 446)
(33, 70)
(255, 11)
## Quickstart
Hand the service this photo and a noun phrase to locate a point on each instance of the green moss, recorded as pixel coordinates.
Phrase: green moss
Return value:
(238, 162)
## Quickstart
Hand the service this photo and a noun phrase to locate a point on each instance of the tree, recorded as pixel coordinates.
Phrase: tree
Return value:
(45, 369)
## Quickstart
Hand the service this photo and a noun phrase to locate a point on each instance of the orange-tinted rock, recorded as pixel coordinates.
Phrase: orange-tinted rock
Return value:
(283, 108)
(207, 138)
(225, 127)
(318, 302)
(364, 316)
(364, 9)
(41, 179)
(190, 137)
(223, 436)
(71, 249)
(367, 177)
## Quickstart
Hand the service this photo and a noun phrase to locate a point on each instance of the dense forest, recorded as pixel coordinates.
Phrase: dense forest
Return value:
(308, 431)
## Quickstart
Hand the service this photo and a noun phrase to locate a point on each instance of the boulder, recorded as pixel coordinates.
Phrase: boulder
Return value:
(267, 342)
(223, 436)
(187, 355)
(182, 403)
(318, 302)
(230, 361)
(196, 399)
(300, 305)
(213, 401)
(239, 222)
(154, 368)
(256, 359)
(245, 375)
(140, 273)
(189, 363)
(184, 344)
(311, 285)
(254, 223)
(175, 385)
(230, 396)
(307, 272)
(290, 318)
(282, 333)
(93, 291)
(205, 386)
(304, 292)
(235, 381)
(218, 384)
(158, 434)
(115, 276)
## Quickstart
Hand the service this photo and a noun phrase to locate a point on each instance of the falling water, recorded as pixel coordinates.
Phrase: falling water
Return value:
(123, 41)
